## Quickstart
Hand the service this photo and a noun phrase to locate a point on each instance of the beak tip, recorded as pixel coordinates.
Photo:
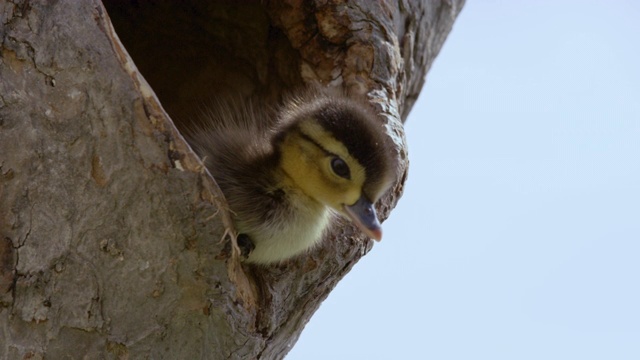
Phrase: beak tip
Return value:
(363, 215)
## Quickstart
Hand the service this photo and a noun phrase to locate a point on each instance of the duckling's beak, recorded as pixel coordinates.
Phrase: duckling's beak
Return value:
(363, 214)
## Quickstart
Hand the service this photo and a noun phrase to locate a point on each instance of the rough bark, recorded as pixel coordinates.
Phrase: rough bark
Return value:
(113, 237)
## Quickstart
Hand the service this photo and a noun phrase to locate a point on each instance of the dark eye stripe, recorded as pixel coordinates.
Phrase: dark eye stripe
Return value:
(311, 140)
(338, 165)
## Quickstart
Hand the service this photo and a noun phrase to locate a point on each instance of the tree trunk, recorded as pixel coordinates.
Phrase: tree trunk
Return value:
(114, 240)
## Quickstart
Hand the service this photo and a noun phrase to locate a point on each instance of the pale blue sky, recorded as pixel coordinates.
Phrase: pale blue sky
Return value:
(518, 236)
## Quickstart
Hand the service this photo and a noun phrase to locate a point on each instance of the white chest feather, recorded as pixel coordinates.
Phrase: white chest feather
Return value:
(290, 236)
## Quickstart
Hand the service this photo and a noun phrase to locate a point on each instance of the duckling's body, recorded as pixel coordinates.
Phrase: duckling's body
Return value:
(282, 172)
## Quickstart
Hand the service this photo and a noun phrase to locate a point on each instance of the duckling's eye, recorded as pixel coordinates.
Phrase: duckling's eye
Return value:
(340, 168)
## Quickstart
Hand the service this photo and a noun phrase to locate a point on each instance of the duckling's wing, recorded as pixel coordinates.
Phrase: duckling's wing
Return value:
(233, 140)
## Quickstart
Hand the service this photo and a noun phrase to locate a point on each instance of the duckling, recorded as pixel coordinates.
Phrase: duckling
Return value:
(286, 171)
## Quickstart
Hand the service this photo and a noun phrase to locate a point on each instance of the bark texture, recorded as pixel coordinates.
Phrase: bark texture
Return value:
(113, 237)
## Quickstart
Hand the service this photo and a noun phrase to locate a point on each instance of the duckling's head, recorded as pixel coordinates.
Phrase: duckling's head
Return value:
(336, 151)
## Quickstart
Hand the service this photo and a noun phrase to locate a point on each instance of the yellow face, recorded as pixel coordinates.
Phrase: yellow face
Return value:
(321, 166)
